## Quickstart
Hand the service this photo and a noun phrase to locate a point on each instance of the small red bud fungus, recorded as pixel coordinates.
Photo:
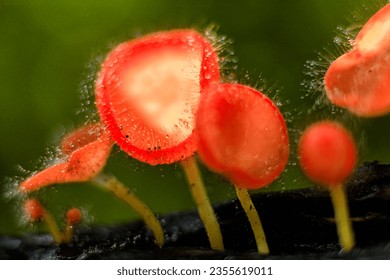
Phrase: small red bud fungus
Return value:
(73, 216)
(359, 80)
(85, 152)
(327, 154)
(33, 209)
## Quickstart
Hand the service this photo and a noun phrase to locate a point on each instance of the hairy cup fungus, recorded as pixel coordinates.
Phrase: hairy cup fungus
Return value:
(242, 135)
(84, 154)
(35, 212)
(328, 154)
(359, 80)
(72, 217)
(148, 92)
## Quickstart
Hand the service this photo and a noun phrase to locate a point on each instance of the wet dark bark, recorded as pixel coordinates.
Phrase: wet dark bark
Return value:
(298, 225)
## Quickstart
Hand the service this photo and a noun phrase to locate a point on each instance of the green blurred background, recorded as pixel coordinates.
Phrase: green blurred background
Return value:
(49, 51)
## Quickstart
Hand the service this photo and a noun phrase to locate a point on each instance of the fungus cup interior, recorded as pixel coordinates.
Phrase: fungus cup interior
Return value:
(148, 92)
(359, 80)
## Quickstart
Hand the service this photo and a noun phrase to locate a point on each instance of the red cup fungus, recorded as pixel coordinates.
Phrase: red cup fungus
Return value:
(148, 91)
(242, 135)
(84, 153)
(359, 80)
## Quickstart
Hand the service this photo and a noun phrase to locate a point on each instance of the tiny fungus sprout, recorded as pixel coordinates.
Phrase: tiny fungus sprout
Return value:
(72, 217)
(147, 93)
(359, 80)
(35, 212)
(84, 153)
(243, 135)
(328, 155)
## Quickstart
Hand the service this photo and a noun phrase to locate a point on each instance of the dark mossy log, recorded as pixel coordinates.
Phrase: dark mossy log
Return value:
(299, 224)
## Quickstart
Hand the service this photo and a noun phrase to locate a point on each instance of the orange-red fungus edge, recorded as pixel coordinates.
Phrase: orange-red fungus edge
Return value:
(84, 154)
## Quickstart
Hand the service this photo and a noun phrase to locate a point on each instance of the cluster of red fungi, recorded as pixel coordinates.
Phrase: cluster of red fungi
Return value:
(161, 99)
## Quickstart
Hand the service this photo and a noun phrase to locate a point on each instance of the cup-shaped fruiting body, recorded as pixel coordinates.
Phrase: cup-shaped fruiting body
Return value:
(327, 153)
(360, 79)
(242, 135)
(84, 153)
(148, 92)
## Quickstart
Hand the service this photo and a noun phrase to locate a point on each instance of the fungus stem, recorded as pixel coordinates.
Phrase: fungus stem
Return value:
(254, 219)
(110, 183)
(68, 233)
(206, 212)
(52, 226)
(343, 222)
